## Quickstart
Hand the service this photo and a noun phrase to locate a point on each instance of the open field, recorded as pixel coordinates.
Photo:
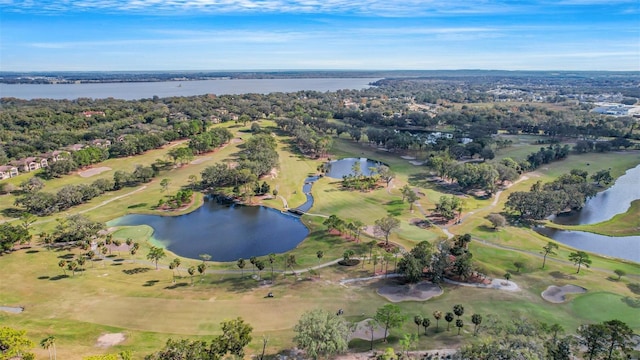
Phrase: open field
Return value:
(125, 294)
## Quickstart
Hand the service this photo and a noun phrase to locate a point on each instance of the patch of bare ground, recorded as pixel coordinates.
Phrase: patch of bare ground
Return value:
(94, 171)
(108, 340)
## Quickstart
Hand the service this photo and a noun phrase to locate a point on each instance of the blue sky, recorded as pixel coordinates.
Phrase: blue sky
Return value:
(84, 35)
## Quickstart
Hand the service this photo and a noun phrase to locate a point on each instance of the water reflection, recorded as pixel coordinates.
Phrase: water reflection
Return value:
(226, 232)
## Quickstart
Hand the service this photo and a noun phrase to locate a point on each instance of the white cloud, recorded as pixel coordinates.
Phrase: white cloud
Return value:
(391, 8)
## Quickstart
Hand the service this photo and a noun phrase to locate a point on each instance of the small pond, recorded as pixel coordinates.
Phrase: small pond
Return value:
(343, 167)
(226, 232)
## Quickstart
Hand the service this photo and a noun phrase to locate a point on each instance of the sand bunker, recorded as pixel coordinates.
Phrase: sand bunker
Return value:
(108, 340)
(416, 163)
(94, 171)
(363, 331)
(12, 309)
(556, 294)
(416, 292)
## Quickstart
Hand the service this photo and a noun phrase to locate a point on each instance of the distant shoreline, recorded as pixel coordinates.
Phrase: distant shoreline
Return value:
(96, 77)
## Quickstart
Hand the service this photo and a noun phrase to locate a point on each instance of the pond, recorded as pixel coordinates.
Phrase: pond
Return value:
(337, 169)
(226, 232)
(615, 200)
(627, 247)
(606, 204)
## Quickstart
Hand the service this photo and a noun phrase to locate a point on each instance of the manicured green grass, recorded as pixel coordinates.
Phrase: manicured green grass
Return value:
(130, 296)
(603, 306)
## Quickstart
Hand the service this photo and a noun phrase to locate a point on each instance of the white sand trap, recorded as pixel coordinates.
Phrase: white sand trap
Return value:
(416, 163)
(408, 157)
(363, 331)
(94, 171)
(414, 292)
(556, 294)
(201, 160)
(12, 309)
(108, 340)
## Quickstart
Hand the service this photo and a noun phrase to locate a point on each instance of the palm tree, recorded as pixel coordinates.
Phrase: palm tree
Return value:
(260, 265)
(173, 274)
(117, 244)
(371, 244)
(476, 319)
(449, 318)
(395, 251)
(357, 224)
(90, 255)
(62, 265)
(202, 268)
(177, 263)
(290, 261)
(80, 260)
(272, 260)
(253, 260)
(241, 264)
(458, 309)
(548, 250)
(72, 266)
(48, 343)
(437, 315)
(108, 241)
(425, 324)
(459, 325)
(191, 270)
(418, 321)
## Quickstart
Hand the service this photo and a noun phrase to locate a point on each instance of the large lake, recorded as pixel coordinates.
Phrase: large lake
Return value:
(144, 90)
(227, 233)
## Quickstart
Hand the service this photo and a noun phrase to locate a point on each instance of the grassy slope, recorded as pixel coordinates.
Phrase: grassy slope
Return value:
(108, 299)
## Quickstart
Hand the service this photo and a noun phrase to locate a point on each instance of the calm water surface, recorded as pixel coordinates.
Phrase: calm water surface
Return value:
(603, 206)
(606, 204)
(343, 167)
(227, 233)
(145, 90)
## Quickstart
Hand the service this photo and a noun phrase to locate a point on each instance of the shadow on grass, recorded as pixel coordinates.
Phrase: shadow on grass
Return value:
(137, 270)
(150, 283)
(116, 264)
(177, 285)
(561, 275)
(67, 256)
(239, 284)
(45, 277)
(118, 260)
(12, 212)
(58, 277)
(634, 287)
(135, 206)
(32, 251)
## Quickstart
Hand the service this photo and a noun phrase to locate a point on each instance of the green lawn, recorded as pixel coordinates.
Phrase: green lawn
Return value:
(126, 294)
